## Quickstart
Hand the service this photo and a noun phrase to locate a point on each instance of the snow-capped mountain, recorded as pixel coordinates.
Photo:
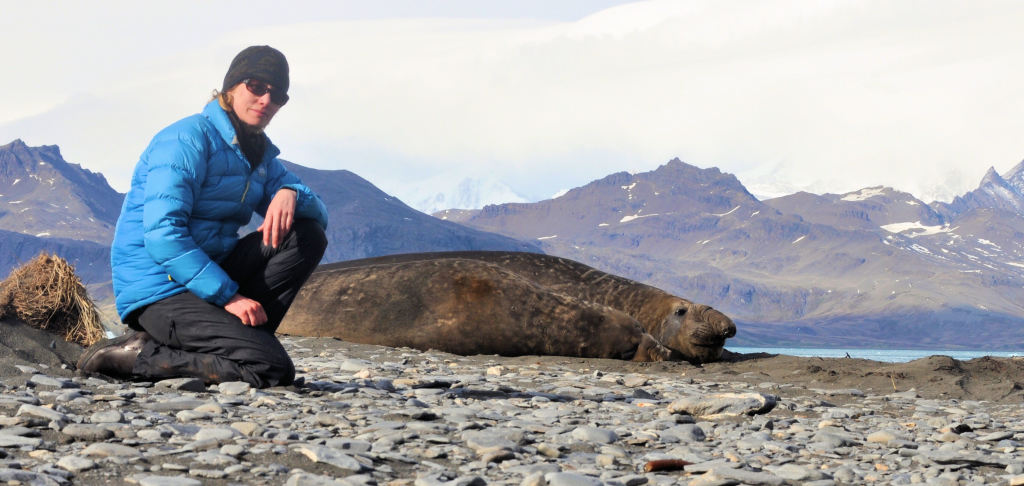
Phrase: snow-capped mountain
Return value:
(996, 192)
(868, 208)
(443, 192)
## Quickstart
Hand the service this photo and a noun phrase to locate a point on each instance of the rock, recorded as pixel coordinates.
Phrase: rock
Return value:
(570, 479)
(76, 464)
(330, 456)
(834, 439)
(234, 388)
(307, 479)
(249, 429)
(997, 436)
(51, 382)
(183, 384)
(168, 481)
(7, 440)
(219, 434)
(106, 417)
(594, 434)
(884, 437)
(720, 405)
(29, 478)
(441, 479)
(87, 432)
(104, 449)
(683, 433)
(42, 412)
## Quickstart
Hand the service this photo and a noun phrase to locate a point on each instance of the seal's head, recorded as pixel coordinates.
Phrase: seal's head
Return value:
(694, 332)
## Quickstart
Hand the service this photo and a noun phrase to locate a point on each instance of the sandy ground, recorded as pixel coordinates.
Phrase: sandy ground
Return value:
(939, 377)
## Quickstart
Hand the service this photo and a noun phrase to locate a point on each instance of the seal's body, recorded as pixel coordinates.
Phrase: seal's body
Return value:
(505, 303)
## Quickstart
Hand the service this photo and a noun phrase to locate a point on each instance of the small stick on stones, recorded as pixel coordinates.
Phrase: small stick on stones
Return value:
(665, 465)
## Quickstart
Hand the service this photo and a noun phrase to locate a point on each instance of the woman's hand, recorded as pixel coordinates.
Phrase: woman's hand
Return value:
(280, 216)
(249, 311)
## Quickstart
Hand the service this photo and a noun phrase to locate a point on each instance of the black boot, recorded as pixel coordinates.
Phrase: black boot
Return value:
(114, 357)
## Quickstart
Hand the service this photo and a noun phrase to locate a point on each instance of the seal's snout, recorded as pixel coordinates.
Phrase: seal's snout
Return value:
(729, 329)
(717, 327)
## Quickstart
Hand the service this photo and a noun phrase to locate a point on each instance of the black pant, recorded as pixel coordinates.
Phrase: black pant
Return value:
(193, 338)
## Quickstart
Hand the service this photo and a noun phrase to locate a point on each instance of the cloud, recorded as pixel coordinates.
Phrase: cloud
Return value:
(822, 96)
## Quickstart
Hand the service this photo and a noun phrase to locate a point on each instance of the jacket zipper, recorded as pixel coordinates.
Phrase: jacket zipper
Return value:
(246, 191)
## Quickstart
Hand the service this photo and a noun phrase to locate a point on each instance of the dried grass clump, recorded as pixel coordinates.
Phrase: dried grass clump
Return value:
(45, 293)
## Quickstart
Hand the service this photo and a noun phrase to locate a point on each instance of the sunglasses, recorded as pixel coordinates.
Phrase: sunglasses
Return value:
(259, 88)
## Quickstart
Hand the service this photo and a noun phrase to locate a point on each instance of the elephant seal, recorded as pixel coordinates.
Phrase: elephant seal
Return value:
(505, 303)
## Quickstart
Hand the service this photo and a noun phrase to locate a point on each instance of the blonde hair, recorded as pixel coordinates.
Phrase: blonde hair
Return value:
(223, 99)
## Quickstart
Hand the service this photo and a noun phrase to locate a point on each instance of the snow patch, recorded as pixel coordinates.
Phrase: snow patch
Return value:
(40, 235)
(547, 237)
(798, 239)
(626, 219)
(1015, 264)
(728, 213)
(629, 187)
(913, 203)
(915, 229)
(983, 241)
(920, 249)
(602, 225)
(16, 181)
(864, 194)
(15, 202)
(983, 252)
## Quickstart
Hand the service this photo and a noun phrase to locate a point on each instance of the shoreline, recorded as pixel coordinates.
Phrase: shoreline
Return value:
(892, 355)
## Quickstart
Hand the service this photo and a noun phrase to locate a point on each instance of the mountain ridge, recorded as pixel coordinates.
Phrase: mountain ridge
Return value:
(34, 179)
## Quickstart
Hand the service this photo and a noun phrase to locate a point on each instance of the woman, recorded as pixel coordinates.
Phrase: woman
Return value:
(203, 302)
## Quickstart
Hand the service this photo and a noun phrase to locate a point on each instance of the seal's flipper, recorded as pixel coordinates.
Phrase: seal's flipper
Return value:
(651, 350)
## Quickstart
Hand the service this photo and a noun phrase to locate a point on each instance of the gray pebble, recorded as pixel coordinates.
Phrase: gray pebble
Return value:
(168, 481)
(594, 434)
(87, 432)
(76, 464)
(571, 479)
(234, 387)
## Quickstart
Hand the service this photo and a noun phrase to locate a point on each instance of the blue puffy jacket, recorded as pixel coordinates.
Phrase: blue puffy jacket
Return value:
(191, 191)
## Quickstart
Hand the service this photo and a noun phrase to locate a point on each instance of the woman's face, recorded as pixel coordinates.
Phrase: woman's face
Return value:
(253, 110)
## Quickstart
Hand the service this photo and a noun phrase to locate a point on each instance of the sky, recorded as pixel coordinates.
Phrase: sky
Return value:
(825, 96)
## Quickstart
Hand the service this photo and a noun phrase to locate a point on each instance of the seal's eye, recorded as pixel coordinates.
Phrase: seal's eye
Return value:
(681, 311)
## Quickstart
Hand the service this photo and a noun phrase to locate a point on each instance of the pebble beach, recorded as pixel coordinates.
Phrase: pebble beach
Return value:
(370, 415)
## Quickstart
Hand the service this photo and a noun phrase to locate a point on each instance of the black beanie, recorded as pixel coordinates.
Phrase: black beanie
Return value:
(259, 62)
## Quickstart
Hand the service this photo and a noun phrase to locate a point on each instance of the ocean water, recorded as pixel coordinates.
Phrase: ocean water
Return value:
(886, 355)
